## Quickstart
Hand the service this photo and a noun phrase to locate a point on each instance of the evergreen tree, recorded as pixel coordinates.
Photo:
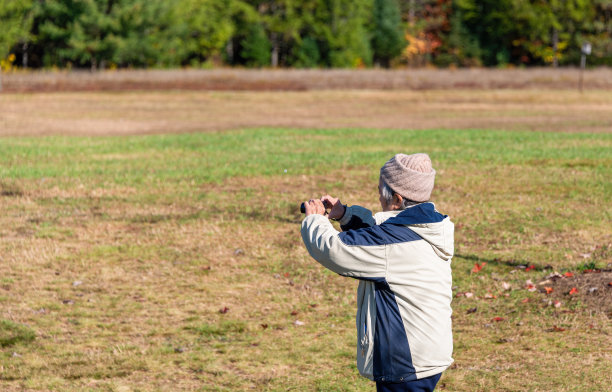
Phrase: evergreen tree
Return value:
(387, 32)
(282, 20)
(210, 27)
(306, 53)
(333, 34)
(491, 23)
(150, 33)
(15, 20)
(256, 47)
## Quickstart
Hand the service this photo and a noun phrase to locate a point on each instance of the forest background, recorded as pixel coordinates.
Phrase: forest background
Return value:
(108, 34)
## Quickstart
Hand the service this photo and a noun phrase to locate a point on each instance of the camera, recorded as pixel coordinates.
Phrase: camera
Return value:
(303, 209)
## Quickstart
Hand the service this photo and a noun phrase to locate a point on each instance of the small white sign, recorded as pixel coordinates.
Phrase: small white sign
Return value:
(586, 48)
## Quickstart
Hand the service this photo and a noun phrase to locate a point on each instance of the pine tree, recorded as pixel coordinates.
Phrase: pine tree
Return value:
(256, 47)
(15, 21)
(387, 32)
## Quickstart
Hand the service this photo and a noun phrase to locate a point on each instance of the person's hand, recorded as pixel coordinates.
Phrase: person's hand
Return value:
(336, 207)
(314, 207)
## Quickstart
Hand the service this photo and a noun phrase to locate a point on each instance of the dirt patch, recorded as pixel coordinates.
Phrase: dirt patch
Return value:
(593, 288)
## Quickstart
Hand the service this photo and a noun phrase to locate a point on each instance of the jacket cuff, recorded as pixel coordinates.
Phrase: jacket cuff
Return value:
(348, 215)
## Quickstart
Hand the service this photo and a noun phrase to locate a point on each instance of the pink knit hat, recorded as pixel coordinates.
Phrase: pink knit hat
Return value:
(410, 175)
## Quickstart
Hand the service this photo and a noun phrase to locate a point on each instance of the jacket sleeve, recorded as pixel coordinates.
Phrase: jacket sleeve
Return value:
(323, 243)
(356, 217)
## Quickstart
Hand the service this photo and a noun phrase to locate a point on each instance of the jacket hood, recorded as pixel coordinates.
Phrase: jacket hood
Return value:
(433, 227)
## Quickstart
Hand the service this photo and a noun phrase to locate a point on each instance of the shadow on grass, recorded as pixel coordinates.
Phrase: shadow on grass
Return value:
(498, 261)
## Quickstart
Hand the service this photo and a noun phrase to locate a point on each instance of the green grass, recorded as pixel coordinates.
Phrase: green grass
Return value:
(12, 333)
(213, 157)
(120, 253)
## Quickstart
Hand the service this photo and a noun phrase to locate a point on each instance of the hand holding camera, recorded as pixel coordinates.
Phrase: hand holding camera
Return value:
(336, 208)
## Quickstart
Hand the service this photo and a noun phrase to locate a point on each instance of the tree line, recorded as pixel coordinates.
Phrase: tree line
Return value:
(102, 34)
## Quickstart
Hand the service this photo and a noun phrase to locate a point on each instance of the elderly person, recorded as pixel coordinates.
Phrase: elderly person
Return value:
(401, 257)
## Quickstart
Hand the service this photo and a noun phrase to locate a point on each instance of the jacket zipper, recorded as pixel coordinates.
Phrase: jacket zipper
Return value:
(364, 339)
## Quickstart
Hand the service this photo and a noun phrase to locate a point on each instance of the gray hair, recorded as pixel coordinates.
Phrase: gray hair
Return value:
(387, 194)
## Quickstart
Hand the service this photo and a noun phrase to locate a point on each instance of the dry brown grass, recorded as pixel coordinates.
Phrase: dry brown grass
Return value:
(313, 79)
(155, 289)
(121, 113)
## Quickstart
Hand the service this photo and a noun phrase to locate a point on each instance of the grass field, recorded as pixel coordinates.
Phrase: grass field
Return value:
(173, 262)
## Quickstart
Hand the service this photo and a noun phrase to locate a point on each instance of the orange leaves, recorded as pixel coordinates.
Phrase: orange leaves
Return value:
(478, 267)
(568, 274)
(497, 319)
(529, 268)
(573, 291)
(548, 290)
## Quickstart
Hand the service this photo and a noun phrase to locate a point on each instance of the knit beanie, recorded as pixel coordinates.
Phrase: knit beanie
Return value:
(410, 175)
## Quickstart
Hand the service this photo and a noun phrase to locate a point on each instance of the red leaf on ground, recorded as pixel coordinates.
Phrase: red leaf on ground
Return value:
(530, 268)
(294, 313)
(591, 271)
(525, 300)
(224, 310)
(478, 267)
(568, 274)
(497, 319)
(286, 274)
(548, 290)
(573, 291)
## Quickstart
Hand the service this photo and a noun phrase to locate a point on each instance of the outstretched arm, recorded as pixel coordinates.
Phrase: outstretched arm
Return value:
(350, 218)
(324, 244)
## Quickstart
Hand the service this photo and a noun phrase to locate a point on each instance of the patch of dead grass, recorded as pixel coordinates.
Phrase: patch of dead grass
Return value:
(131, 113)
(306, 79)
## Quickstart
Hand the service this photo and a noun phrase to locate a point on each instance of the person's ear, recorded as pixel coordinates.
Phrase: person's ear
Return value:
(397, 200)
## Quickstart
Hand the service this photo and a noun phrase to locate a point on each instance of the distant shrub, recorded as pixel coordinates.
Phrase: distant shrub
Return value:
(256, 47)
(307, 54)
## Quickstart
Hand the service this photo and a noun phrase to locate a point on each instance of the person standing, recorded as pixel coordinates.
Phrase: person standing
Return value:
(402, 259)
